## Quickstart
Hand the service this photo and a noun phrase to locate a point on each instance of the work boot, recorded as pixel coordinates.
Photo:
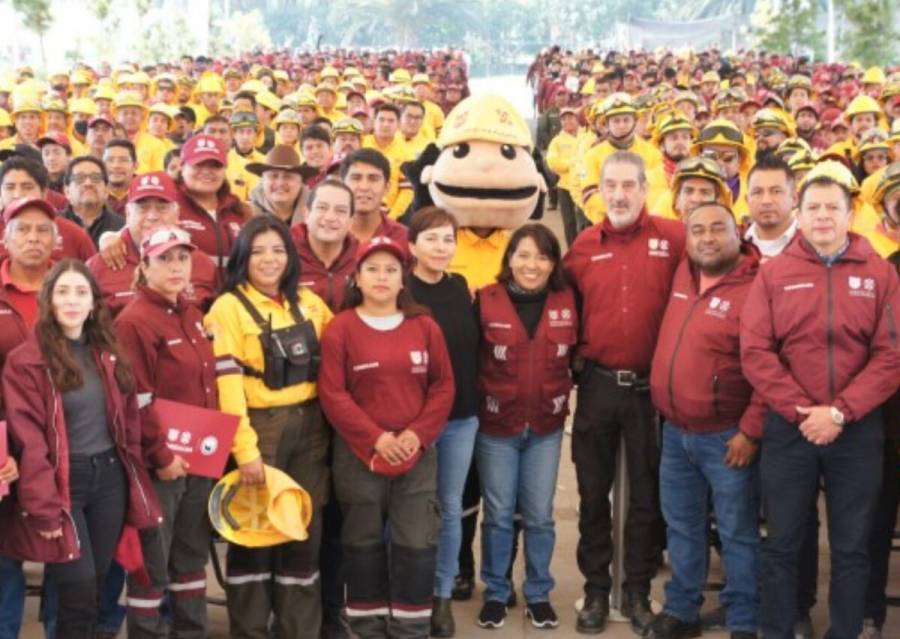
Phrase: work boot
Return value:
(592, 616)
(442, 624)
(636, 607)
(463, 586)
(665, 626)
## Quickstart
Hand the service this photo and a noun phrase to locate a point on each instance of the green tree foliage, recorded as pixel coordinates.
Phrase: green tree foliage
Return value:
(240, 32)
(36, 17)
(788, 27)
(870, 35)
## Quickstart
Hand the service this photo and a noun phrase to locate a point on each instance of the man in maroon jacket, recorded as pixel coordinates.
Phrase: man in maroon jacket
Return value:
(622, 270)
(819, 344)
(711, 430)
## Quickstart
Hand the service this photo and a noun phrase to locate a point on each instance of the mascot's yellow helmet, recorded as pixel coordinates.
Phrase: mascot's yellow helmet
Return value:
(485, 117)
(257, 516)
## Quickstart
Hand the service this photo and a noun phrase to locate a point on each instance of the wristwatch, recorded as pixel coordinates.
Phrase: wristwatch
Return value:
(837, 416)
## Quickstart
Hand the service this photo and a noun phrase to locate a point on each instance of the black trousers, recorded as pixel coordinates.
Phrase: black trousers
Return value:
(569, 216)
(606, 411)
(791, 467)
(98, 492)
(882, 534)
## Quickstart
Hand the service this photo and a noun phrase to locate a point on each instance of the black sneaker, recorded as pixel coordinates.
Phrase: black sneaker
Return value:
(666, 626)
(743, 634)
(462, 588)
(492, 615)
(542, 614)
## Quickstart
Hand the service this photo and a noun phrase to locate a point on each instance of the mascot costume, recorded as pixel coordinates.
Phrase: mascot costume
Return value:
(485, 170)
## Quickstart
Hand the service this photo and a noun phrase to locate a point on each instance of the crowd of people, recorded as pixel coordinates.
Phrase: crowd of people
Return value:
(225, 234)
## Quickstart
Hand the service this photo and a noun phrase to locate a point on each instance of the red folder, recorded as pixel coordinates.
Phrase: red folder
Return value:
(4, 487)
(201, 436)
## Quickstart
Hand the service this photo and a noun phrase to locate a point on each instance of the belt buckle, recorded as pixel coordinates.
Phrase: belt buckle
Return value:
(625, 378)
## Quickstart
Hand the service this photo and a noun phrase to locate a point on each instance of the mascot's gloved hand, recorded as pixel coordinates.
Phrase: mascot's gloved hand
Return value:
(484, 168)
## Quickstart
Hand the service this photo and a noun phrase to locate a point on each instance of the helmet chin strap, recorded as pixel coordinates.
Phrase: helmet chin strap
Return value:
(624, 141)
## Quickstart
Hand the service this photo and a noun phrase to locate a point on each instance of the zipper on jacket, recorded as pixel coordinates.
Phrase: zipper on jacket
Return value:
(829, 335)
(675, 350)
(715, 389)
(892, 324)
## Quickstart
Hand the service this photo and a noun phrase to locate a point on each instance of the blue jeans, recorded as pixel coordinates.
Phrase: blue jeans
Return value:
(692, 466)
(520, 469)
(12, 597)
(454, 448)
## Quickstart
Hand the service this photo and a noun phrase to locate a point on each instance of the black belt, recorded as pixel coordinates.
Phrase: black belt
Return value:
(623, 377)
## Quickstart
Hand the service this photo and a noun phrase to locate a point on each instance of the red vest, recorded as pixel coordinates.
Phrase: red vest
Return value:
(525, 383)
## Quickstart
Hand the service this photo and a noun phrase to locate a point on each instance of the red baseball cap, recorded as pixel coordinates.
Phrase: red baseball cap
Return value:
(19, 206)
(201, 148)
(164, 238)
(55, 137)
(157, 184)
(382, 243)
(100, 119)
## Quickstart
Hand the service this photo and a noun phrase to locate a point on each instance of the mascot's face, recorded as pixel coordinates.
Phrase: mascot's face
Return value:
(485, 184)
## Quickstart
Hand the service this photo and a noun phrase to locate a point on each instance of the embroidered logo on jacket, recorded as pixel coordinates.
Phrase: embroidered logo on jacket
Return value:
(419, 360)
(718, 307)
(658, 247)
(861, 287)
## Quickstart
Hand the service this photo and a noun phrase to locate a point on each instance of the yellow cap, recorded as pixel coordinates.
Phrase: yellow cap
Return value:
(347, 125)
(268, 100)
(873, 75)
(258, 516)
(399, 76)
(834, 171)
(485, 117)
(104, 92)
(128, 99)
(85, 106)
(210, 84)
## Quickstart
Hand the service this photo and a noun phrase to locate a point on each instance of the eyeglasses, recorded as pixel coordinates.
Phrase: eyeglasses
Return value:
(84, 178)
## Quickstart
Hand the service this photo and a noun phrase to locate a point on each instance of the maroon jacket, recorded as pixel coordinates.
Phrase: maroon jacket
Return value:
(623, 277)
(524, 382)
(117, 286)
(814, 335)
(40, 499)
(375, 381)
(325, 281)
(172, 359)
(213, 236)
(696, 379)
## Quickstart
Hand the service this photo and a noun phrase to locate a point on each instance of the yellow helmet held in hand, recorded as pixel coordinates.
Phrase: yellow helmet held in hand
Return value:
(485, 117)
(273, 513)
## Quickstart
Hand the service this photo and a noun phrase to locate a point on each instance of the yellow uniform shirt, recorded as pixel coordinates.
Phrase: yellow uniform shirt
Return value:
(417, 144)
(870, 185)
(478, 258)
(587, 140)
(591, 202)
(151, 152)
(867, 222)
(399, 193)
(239, 178)
(434, 116)
(236, 343)
(561, 158)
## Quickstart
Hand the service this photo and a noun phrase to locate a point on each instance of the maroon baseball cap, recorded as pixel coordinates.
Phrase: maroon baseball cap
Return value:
(157, 184)
(164, 238)
(201, 148)
(55, 137)
(100, 119)
(19, 206)
(382, 243)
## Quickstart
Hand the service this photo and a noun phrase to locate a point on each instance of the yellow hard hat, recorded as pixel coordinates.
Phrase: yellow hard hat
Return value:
(281, 75)
(889, 183)
(833, 171)
(26, 103)
(701, 167)
(721, 131)
(305, 99)
(287, 116)
(80, 76)
(128, 99)
(799, 81)
(351, 126)
(772, 119)
(802, 161)
(485, 117)
(686, 96)
(618, 104)
(672, 122)
(791, 146)
(421, 78)
(140, 77)
(862, 104)
(54, 104)
(273, 513)
(710, 76)
(164, 109)
(729, 98)
(268, 100)
(104, 92)
(873, 140)
(894, 135)
(210, 84)
(325, 87)
(399, 76)
(873, 75)
(598, 69)
(253, 86)
(82, 105)
(329, 72)
(890, 90)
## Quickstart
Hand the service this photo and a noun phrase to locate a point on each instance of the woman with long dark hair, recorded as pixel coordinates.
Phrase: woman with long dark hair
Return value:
(266, 340)
(387, 389)
(73, 420)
